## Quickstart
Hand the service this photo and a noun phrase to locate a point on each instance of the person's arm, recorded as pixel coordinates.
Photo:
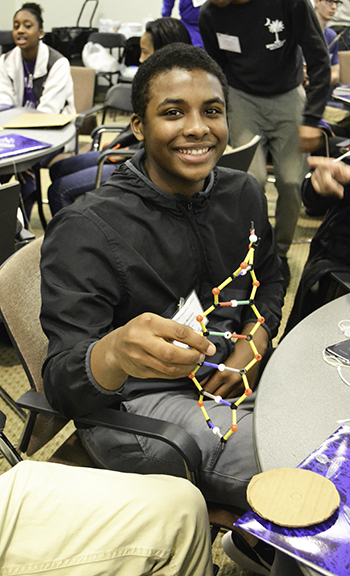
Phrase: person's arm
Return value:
(82, 290)
(326, 185)
(167, 8)
(335, 72)
(58, 84)
(7, 92)
(310, 37)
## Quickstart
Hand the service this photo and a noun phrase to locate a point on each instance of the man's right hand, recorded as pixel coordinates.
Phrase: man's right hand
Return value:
(328, 176)
(144, 348)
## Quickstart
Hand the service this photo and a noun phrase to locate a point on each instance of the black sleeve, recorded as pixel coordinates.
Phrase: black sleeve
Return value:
(310, 37)
(79, 288)
(209, 36)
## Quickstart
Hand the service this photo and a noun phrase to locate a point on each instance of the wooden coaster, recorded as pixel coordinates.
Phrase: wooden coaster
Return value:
(292, 497)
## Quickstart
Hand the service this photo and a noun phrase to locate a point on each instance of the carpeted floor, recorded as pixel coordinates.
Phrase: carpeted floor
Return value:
(13, 379)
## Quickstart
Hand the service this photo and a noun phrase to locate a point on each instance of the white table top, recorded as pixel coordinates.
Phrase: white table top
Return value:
(57, 137)
(300, 397)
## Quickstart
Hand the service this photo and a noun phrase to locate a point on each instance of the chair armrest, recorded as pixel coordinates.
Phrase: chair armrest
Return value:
(105, 154)
(99, 130)
(167, 432)
(6, 448)
(2, 421)
(89, 112)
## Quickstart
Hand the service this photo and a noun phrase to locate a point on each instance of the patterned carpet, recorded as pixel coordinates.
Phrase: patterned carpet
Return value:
(13, 379)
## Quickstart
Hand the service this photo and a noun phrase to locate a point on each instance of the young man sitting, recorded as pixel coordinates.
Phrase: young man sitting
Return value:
(118, 264)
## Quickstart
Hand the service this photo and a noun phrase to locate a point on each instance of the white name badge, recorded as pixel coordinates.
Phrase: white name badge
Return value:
(188, 313)
(197, 3)
(230, 43)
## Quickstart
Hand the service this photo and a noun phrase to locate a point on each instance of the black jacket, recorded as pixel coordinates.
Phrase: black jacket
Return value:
(329, 252)
(130, 247)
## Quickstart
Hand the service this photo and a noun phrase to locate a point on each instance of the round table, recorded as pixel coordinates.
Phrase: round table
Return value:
(300, 397)
(57, 137)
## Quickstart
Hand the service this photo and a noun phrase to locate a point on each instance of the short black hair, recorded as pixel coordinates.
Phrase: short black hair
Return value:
(34, 9)
(178, 55)
(166, 31)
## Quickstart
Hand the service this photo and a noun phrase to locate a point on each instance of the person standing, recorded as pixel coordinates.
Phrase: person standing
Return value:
(341, 24)
(257, 44)
(189, 16)
(325, 11)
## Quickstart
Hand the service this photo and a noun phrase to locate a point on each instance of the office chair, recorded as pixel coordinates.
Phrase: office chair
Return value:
(6, 41)
(9, 202)
(241, 157)
(112, 41)
(20, 311)
(118, 99)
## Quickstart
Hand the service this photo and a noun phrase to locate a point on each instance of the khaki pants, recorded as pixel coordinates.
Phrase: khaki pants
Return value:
(69, 521)
(276, 119)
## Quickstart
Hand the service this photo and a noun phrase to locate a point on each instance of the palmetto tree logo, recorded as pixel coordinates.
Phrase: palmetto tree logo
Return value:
(275, 26)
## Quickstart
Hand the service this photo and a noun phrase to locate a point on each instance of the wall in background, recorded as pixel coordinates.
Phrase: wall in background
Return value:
(66, 12)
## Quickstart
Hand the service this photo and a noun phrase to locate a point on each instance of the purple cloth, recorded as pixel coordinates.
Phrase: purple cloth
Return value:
(29, 98)
(189, 17)
(324, 546)
(333, 49)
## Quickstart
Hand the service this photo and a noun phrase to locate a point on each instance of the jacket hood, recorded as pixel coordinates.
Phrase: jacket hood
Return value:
(137, 181)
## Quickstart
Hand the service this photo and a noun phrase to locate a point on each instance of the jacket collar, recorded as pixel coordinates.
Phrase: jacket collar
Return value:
(136, 165)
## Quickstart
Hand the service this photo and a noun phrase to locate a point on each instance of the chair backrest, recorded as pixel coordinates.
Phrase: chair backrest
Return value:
(344, 66)
(108, 39)
(241, 157)
(118, 97)
(9, 202)
(6, 41)
(20, 304)
(83, 87)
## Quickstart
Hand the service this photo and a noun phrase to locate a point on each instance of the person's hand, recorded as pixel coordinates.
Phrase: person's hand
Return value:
(328, 176)
(144, 348)
(310, 138)
(229, 384)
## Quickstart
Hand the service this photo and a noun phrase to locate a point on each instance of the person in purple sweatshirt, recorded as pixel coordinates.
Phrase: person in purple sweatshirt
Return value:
(189, 16)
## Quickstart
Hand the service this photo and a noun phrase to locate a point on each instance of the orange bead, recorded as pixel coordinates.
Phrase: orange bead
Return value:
(200, 404)
(199, 318)
(248, 392)
(216, 291)
(244, 265)
(234, 427)
(258, 357)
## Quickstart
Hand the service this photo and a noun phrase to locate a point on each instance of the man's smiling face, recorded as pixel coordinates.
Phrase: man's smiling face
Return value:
(184, 129)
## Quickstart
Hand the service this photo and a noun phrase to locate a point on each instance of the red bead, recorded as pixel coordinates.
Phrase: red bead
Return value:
(199, 318)
(200, 404)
